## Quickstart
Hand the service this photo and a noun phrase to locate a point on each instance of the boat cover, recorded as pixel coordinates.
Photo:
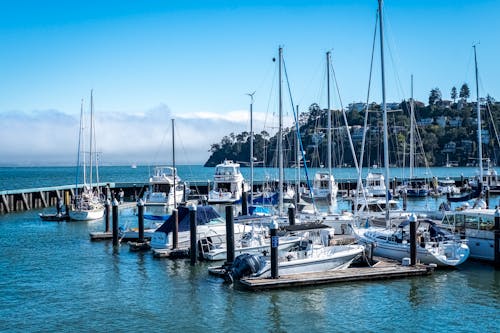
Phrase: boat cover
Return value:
(204, 214)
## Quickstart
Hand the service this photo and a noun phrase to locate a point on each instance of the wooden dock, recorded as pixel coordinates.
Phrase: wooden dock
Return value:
(171, 253)
(382, 270)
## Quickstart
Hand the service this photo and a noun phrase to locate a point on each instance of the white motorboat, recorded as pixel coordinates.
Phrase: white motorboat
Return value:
(253, 242)
(165, 187)
(311, 258)
(434, 245)
(375, 185)
(228, 184)
(324, 186)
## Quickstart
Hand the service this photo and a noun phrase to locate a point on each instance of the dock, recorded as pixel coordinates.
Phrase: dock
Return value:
(37, 198)
(383, 269)
(171, 253)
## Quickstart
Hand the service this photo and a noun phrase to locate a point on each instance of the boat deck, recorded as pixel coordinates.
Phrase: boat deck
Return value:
(382, 270)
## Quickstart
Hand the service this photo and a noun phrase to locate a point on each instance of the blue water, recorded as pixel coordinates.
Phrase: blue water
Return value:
(54, 279)
(12, 178)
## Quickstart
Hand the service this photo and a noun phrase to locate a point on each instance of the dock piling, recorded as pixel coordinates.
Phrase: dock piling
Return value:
(107, 206)
(413, 239)
(193, 251)
(140, 215)
(291, 215)
(229, 235)
(244, 203)
(115, 222)
(274, 249)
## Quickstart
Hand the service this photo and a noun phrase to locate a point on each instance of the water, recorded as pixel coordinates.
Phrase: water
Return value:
(55, 279)
(12, 178)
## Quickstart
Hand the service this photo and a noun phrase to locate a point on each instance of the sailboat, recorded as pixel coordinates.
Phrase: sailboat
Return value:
(324, 186)
(87, 205)
(435, 247)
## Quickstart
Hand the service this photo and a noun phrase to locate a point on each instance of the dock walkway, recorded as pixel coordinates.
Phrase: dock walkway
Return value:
(382, 270)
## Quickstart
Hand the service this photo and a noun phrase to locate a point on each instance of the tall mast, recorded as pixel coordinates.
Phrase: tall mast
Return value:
(80, 133)
(251, 147)
(412, 130)
(384, 109)
(173, 161)
(280, 135)
(329, 113)
(297, 159)
(478, 108)
(91, 136)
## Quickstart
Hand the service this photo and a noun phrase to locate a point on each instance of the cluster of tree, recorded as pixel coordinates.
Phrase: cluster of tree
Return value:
(435, 96)
(431, 143)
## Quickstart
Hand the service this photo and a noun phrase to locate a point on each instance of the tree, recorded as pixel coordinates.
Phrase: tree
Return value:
(454, 94)
(464, 92)
(434, 96)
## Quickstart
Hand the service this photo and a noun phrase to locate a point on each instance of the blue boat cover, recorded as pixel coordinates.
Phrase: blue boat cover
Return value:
(204, 214)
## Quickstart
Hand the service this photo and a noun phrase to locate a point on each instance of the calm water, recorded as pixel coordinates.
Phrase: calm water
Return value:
(54, 279)
(12, 178)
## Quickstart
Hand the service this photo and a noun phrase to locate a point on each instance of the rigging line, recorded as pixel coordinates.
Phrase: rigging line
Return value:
(359, 186)
(345, 120)
(297, 129)
(493, 123)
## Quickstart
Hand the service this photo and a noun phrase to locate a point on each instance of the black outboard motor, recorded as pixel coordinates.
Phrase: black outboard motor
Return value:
(244, 265)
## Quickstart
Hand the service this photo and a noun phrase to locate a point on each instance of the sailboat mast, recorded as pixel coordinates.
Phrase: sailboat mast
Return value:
(79, 150)
(91, 136)
(280, 135)
(251, 147)
(478, 108)
(329, 123)
(173, 162)
(412, 131)
(297, 159)
(384, 109)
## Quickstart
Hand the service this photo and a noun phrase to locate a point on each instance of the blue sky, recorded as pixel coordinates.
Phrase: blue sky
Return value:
(149, 61)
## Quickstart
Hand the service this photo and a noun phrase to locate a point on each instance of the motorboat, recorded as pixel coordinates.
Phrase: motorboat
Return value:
(256, 241)
(165, 187)
(309, 257)
(229, 184)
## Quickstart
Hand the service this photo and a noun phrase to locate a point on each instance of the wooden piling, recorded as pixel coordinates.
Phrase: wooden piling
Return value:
(192, 228)
(140, 216)
(413, 239)
(115, 222)
(230, 234)
(274, 249)
(291, 215)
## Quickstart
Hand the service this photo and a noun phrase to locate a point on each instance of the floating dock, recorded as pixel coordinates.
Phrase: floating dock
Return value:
(382, 270)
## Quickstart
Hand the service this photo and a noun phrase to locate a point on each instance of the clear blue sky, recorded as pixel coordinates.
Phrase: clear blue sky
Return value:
(198, 58)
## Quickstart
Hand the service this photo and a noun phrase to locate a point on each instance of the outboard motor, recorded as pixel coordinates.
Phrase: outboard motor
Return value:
(244, 265)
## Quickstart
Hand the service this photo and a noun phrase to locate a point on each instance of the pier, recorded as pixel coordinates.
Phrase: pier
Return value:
(37, 198)
(382, 270)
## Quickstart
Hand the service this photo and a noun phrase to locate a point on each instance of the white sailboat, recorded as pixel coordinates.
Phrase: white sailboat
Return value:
(87, 205)
(324, 185)
(445, 251)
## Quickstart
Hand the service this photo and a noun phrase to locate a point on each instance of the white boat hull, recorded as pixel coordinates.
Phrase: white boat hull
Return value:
(86, 215)
(329, 258)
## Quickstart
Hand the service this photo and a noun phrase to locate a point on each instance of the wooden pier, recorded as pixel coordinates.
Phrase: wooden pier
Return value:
(382, 270)
(37, 198)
